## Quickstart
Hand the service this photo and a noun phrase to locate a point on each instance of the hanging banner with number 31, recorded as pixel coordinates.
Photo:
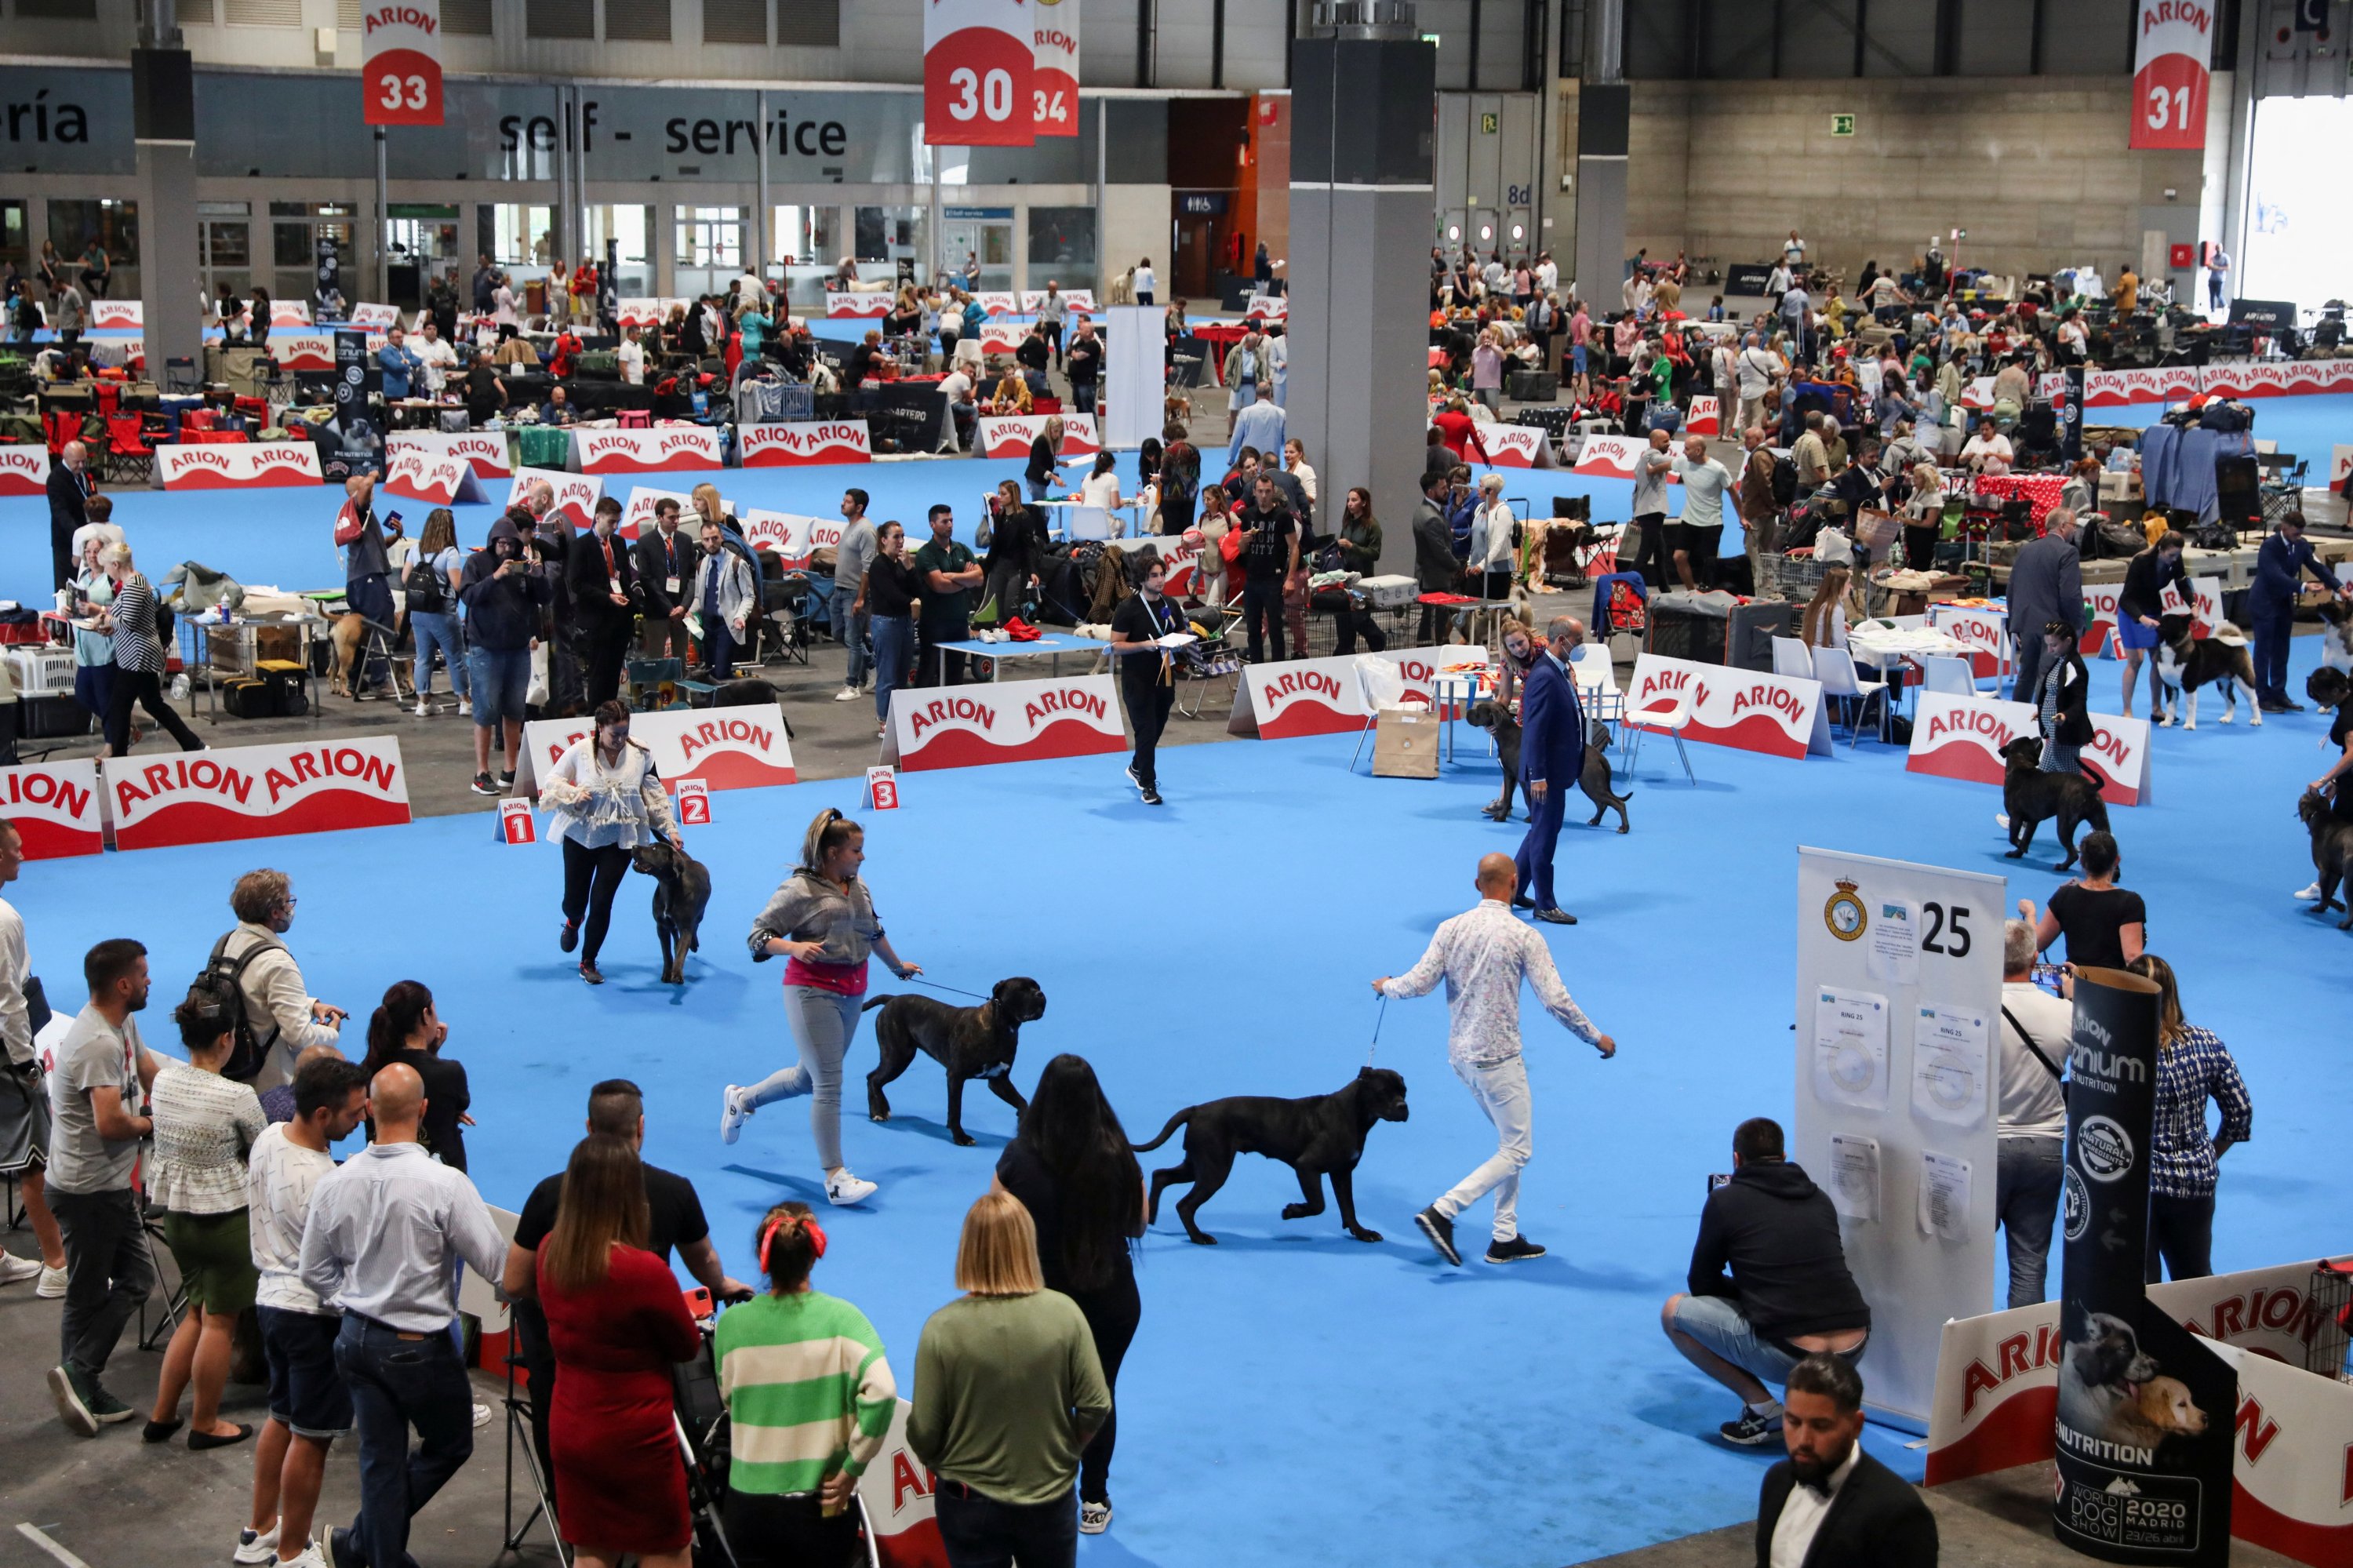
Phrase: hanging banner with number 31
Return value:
(2173, 42)
(400, 71)
(977, 75)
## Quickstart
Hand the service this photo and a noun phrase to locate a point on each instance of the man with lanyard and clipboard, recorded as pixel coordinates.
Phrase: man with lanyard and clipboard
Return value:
(1146, 680)
(2031, 1127)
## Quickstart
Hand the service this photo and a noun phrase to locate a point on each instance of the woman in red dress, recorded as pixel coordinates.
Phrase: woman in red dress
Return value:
(617, 1321)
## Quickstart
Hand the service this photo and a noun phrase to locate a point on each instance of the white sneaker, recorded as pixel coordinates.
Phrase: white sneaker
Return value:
(258, 1546)
(423, 708)
(1094, 1517)
(731, 1112)
(846, 695)
(465, 707)
(52, 1287)
(2001, 821)
(481, 1416)
(2310, 895)
(843, 1189)
(14, 1270)
(313, 1557)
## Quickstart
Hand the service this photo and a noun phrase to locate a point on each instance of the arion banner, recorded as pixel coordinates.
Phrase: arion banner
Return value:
(2173, 43)
(980, 73)
(254, 791)
(1054, 91)
(400, 62)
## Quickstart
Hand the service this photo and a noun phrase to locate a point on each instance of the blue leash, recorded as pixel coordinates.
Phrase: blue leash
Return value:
(1378, 1019)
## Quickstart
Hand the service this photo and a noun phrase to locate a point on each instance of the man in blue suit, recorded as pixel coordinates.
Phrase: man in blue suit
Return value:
(1552, 757)
(2280, 564)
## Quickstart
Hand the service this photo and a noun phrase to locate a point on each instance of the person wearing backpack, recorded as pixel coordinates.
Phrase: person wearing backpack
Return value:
(431, 579)
(281, 1018)
(2032, 1125)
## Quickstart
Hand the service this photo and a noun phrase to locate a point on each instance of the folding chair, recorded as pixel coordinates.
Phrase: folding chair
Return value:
(1667, 714)
(1835, 667)
(1596, 682)
(127, 455)
(1381, 685)
(1947, 672)
(518, 1409)
(1792, 658)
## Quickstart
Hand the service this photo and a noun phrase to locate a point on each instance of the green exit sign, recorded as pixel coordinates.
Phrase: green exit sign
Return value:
(1488, 123)
(1841, 124)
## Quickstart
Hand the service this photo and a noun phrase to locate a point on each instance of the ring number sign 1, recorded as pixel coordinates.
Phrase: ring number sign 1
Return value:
(400, 71)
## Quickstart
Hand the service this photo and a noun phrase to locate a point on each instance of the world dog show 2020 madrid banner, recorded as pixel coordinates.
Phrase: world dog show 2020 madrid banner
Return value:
(2145, 1406)
(254, 791)
(1005, 721)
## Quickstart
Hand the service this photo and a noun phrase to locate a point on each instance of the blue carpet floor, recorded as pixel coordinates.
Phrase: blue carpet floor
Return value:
(1295, 1397)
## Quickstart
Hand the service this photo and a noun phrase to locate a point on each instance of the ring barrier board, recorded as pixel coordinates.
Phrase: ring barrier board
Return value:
(483, 451)
(2103, 598)
(896, 1492)
(1006, 721)
(418, 473)
(378, 317)
(1954, 736)
(1747, 710)
(726, 748)
(1010, 434)
(576, 494)
(1177, 559)
(291, 313)
(1001, 334)
(1605, 457)
(117, 316)
(24, 469)
(1707, 417)
(1898, 1085)
(638, 515)
(998, 301)
(859, 302)
(302, 350)
(55, 806)
(793, 536)
(1984, 631)
(799, 442)
(238, 465)
(1078, 302)
(253, 791)
(1324, 697)
(653, 451)
(1516, 446)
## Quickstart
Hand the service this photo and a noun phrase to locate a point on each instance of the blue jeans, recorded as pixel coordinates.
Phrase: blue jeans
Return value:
(981, 1532)
(850, 629)
(822, 1023)
(2027, 1174)
(500, 679)
(1717, 1324)
(438, 629)
(397, 1382)
(895, 646)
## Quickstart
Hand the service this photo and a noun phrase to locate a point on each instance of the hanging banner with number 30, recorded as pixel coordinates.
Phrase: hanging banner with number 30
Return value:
(2173, 44)
(400, 73)
(977, 75)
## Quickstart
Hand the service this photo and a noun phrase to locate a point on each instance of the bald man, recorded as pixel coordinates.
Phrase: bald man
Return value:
(1483, 956)
(378, 1248)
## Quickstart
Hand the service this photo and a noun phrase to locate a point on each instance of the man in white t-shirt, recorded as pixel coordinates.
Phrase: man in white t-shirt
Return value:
(1987, 452)
(1756, 368)
(437, 356)
(24, 1093)
(1699, 533)
(1794, 252)
(2032, 1128)
(631, 356)
(962, 411)
(309, 1404)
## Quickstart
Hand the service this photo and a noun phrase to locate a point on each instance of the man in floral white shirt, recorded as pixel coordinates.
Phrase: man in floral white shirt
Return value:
(1484, 955)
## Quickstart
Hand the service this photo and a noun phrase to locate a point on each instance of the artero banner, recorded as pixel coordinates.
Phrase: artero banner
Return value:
(2145, 1408)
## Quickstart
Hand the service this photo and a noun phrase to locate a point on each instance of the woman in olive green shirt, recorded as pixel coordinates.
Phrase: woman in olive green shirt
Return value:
(1008, 1391)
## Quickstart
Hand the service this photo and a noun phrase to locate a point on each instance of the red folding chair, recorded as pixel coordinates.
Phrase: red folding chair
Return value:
(127, 455)
(110, 399)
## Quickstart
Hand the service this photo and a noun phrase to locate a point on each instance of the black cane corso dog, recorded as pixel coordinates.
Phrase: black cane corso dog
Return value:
(1593, 777)
(969, 1042)
(2028, 794)
(752, 692)
(1319, 1136)
(682, 891)
(2332, 852)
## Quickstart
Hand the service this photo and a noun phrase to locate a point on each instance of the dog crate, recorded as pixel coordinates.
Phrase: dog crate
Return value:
(2332, 1301)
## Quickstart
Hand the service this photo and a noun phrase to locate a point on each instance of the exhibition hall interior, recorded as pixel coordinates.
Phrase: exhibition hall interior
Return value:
(724, 725)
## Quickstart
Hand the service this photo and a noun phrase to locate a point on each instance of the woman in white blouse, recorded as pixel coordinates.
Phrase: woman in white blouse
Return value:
(1824, 622)
(205, 1126)
(1491, 551)
(608, 803)
(1924, 519)
(1101, 488)
(1294, 459)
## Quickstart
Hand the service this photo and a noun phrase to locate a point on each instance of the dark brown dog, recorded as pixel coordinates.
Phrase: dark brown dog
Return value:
(1319, 1136)
(2332, 851)
(969, 1042)
(2028, 794)
(1593, 776)
(681, 893)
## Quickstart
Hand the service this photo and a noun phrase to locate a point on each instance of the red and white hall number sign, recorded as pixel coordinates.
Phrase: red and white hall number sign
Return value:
(400, 71)
(978, 73)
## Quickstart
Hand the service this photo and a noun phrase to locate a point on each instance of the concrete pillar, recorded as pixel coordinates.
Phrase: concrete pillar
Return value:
(1363, 102)
(665, 257)
(1601, 122)
(170, 273)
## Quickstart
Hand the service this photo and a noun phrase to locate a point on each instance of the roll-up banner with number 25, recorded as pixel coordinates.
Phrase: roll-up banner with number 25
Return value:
(2173, 43)
(978, 78)
(400, 71)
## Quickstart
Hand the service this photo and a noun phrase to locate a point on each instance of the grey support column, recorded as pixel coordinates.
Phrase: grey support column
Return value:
(1603, 108)
(1363, 100)
(171, 280)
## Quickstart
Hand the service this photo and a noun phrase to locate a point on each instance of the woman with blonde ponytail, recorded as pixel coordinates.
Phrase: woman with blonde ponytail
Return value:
(821, 921)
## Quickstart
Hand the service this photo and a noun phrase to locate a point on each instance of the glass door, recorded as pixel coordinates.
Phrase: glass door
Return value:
(710, 249)
(225, 246)
(421, 244)
(631, 229)
(977, 238)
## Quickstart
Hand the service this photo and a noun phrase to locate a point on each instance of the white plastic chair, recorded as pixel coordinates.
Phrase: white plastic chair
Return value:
(1669, 713)
(1596, 682)
(1381, 684)
(1835, 668)
(1792, 658)
(1948, 673)
(1089, 522)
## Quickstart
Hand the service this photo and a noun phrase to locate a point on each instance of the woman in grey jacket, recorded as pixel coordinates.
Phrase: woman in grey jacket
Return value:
(822, 923)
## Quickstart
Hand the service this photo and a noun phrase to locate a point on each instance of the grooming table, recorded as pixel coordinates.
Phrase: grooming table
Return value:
(1050, 645)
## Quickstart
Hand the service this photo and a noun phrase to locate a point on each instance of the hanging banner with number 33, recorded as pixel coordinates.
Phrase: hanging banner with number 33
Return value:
(2172, 44)
(400, 71)
(977, 73)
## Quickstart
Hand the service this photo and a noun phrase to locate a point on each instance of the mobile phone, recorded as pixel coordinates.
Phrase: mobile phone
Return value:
(392, 517)
(1716, 1178)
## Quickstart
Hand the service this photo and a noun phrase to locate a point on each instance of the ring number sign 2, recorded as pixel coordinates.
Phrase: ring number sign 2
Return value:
(977, 71)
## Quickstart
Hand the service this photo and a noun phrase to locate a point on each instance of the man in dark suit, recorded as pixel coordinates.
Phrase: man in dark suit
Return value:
(2280, 564)
(604, 601)
(70, 491)
(663, 560)
(1552, 757)
(2046, 584)
(1830, 1504)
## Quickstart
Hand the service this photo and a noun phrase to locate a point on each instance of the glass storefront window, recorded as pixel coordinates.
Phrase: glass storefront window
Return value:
(14, 247)
(113, 224)
(632, 230)
(420, 244)
(522, 236)
(1063, 247)
(711, 249)
(892, 234)
(807, 236)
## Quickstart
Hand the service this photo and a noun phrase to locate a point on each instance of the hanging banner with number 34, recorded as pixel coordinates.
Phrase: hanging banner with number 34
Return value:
(2172, 43)
(400, 71)
(977, 73)
(1055, 89)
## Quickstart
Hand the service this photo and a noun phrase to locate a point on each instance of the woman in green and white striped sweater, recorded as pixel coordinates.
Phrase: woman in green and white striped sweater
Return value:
(811, 1397)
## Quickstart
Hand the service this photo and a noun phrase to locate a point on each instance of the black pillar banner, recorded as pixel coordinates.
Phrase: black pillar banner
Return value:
(329, 269)
(609, 289)
(2070, 417)
(362, 443)
(2145, 1408)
